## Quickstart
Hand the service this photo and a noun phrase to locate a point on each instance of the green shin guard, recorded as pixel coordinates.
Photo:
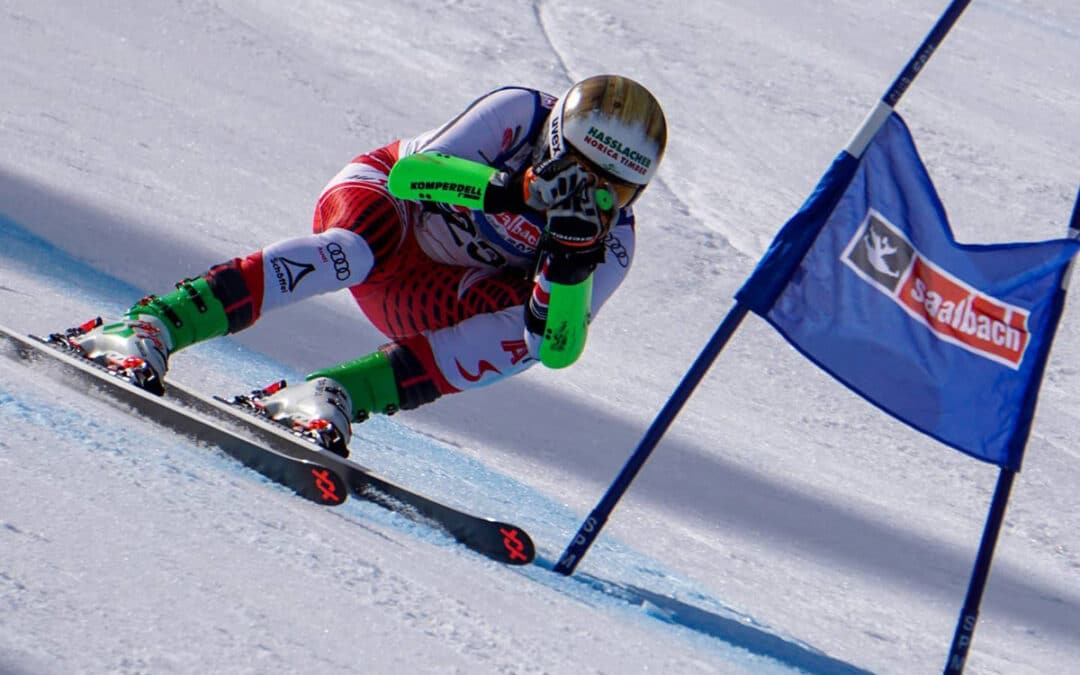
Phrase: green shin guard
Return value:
(370, 382)
(191, 313)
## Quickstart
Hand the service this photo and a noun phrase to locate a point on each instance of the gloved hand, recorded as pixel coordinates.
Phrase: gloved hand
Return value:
(552, 181)
(572, 243)
(579, 220)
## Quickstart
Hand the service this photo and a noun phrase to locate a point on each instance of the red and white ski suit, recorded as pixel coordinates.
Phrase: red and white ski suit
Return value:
(447, 284)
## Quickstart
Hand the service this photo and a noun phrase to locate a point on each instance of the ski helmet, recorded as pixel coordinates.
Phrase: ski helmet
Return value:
(615, 127)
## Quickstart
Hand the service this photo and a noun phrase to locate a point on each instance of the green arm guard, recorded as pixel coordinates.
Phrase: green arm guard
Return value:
(567, 323)
(435, 177)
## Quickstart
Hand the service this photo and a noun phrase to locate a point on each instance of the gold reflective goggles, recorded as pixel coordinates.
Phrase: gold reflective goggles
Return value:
(625, 193)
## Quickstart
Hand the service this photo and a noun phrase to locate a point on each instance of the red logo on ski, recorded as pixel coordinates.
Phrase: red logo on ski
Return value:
(327, 486)
(515, 548)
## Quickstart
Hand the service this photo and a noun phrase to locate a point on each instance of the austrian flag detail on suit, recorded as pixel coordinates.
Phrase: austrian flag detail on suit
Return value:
(956, 312)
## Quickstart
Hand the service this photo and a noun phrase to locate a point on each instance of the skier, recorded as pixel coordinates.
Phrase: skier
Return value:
(460, 293)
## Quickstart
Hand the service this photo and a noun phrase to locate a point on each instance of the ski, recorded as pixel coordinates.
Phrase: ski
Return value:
(274, 450)
(501, 541)
(306, 476)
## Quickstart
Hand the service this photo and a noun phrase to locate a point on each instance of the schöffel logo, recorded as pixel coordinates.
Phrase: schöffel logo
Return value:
(956, 312)
(289, 273)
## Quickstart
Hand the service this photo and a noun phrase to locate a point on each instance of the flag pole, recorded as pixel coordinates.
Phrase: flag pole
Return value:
(969, 613)
(590, 528)
(930, 43)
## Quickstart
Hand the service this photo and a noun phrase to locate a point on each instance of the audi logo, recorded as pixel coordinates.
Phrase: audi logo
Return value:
(618, 250)
(341, 262)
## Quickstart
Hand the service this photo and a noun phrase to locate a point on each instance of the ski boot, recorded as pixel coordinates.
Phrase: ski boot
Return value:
(138, 345)
(135, 348)
(323, 407)
(318, 409)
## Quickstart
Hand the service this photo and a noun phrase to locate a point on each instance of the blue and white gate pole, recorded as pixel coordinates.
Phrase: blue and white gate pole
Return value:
(590, 528)
(969, 613)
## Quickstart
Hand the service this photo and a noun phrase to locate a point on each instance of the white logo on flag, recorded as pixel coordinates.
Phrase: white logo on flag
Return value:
(958, 313)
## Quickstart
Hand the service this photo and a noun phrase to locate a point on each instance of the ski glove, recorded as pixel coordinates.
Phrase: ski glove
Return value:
(569, 265)
(552, 181)
(578, 221)
(538, 188)
(573, 241)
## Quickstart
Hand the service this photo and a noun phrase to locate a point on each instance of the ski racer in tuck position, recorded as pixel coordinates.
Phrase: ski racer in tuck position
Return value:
(461, 294)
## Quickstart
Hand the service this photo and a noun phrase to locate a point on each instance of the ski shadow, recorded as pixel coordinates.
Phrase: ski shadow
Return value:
(738, 631)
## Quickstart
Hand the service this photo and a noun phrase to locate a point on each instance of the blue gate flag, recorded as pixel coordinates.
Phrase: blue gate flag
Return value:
(868, 282)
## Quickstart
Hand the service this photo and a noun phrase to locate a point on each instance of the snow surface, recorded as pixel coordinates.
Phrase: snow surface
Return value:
(782, 525)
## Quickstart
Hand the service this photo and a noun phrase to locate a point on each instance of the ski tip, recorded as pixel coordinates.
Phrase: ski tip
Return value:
(517, 546)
